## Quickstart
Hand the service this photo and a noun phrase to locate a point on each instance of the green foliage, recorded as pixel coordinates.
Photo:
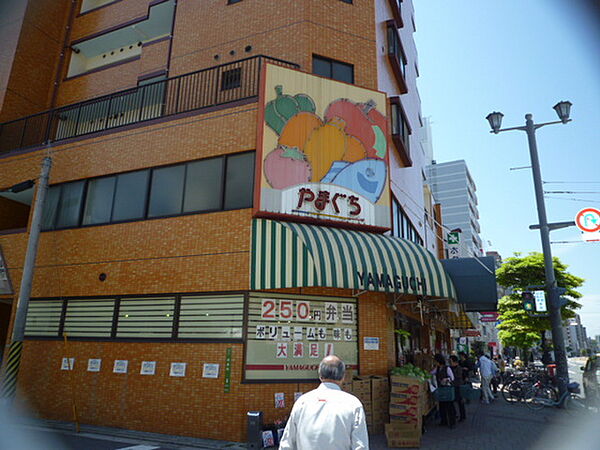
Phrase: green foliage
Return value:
(518, 328)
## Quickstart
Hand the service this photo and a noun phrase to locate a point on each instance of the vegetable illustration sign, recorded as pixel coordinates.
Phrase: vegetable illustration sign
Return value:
(323, 152)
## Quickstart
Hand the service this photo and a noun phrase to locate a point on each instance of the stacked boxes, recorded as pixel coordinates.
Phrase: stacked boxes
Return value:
(380, 400)
(361, 388)
(406, 411)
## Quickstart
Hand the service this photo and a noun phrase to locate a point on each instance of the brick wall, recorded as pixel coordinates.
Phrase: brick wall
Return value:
(36, 58)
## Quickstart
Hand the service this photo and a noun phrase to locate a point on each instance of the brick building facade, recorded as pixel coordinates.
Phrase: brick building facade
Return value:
(83, 118)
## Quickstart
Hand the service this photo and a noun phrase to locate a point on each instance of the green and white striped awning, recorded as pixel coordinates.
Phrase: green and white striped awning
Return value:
(286, 254)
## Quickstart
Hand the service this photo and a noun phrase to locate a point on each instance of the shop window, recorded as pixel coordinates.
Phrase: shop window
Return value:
(166, 193)
(231, 79)
(204, 185)
(89, 318)
(239, 186)
(333, 69)
(146, 317)
(99, 200)
(208, 317)
(69, 207)
(130, 196)
(43, 318)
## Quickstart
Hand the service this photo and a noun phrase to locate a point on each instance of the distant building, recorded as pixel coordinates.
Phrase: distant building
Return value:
(575, 336)
(453, 187)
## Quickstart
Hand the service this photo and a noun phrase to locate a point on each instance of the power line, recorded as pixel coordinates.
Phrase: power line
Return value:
(573, 199)
(571, 182)
(571, 192)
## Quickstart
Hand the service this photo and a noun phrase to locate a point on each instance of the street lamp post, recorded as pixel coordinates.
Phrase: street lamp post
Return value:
(495, 120)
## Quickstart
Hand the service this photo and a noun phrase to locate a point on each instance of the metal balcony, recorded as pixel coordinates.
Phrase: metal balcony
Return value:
(219, 85)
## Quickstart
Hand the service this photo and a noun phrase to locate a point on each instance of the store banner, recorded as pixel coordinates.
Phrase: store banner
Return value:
(288, 336)
(322, 152)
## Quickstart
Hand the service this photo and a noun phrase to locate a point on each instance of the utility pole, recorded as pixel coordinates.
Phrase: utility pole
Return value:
(560, 354)
(13, 361)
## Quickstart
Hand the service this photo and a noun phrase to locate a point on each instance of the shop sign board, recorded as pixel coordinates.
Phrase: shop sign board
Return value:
(472, 333)
(322, 153)
(288, 336)
(489, 317)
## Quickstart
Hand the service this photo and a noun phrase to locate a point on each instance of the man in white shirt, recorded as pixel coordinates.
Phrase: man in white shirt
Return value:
(327, 418)
(487, 370)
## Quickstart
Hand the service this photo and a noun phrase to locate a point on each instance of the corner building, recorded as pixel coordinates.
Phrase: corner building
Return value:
(236, 191)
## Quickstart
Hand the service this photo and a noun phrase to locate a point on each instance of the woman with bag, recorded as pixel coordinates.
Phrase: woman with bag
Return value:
(444, 378)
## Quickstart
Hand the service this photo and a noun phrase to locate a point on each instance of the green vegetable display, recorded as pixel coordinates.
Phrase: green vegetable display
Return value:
(284, 107)
(409, 370)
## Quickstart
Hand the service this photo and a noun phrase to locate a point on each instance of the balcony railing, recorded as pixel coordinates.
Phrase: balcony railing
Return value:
(204, 88)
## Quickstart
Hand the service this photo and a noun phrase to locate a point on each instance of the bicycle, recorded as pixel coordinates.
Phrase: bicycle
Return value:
(541, 395)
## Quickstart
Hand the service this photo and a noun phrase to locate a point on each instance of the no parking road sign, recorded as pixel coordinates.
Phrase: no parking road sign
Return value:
(588, 221)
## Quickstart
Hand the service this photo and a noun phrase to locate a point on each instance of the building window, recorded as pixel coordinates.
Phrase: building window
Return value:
(330, 68)
(231, 2)
(182, 316)
(396, 56)
(402, 226)
(222, 183)
(347, 1)
(400, 130)
(231, 79)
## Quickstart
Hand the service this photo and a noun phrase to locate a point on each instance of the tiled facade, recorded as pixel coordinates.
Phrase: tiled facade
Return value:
(193, 253)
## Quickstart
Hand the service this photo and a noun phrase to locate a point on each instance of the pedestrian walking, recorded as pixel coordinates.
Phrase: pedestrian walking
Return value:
(487, 371)
(458, 382)
(327, 417)
(444, 377)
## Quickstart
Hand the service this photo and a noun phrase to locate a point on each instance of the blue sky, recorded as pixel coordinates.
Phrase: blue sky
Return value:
(518, 57)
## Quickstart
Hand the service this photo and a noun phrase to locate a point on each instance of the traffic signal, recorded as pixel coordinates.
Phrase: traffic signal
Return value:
(528, 301)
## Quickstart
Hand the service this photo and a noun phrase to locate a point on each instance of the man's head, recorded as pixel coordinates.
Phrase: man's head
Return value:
(462, 355)
(453, 360)
(439, 359)
(332, 369)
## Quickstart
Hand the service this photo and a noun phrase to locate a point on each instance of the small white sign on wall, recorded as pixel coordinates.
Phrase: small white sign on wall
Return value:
(178, 369)
(67, 364)
(371, 343)
(94, 365)
(148, 368)
(120, 366)
(210, 371)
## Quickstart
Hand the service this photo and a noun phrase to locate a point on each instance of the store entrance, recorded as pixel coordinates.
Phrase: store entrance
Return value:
(5, 309)
(409, 348)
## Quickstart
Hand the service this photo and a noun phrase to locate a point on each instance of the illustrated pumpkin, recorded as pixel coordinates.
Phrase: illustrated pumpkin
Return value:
(324, 146)
(284, 107)
(285, 167)
(298, 129)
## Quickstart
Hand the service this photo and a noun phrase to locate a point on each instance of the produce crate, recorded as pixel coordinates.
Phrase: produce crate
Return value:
(400, 384)
(401, 436)
(404, 399)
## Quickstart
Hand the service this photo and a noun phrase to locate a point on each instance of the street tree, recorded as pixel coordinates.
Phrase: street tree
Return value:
(518, 328)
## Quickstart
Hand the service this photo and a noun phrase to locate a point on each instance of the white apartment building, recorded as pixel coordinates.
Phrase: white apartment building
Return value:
(452, 186)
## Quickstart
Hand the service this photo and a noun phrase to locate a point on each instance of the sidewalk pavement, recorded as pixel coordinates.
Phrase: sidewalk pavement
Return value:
(497, 426)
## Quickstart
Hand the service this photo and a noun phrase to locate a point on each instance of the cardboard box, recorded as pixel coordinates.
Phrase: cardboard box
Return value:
(405, 399)
(361, 386)
(376, 428)
(405, 410)
(405, 385)
(399, 436)
(406, 420)
(380, 386)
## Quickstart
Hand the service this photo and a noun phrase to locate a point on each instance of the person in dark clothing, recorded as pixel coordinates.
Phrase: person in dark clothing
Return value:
(444, 377)
(458, 381)
(468, 366)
